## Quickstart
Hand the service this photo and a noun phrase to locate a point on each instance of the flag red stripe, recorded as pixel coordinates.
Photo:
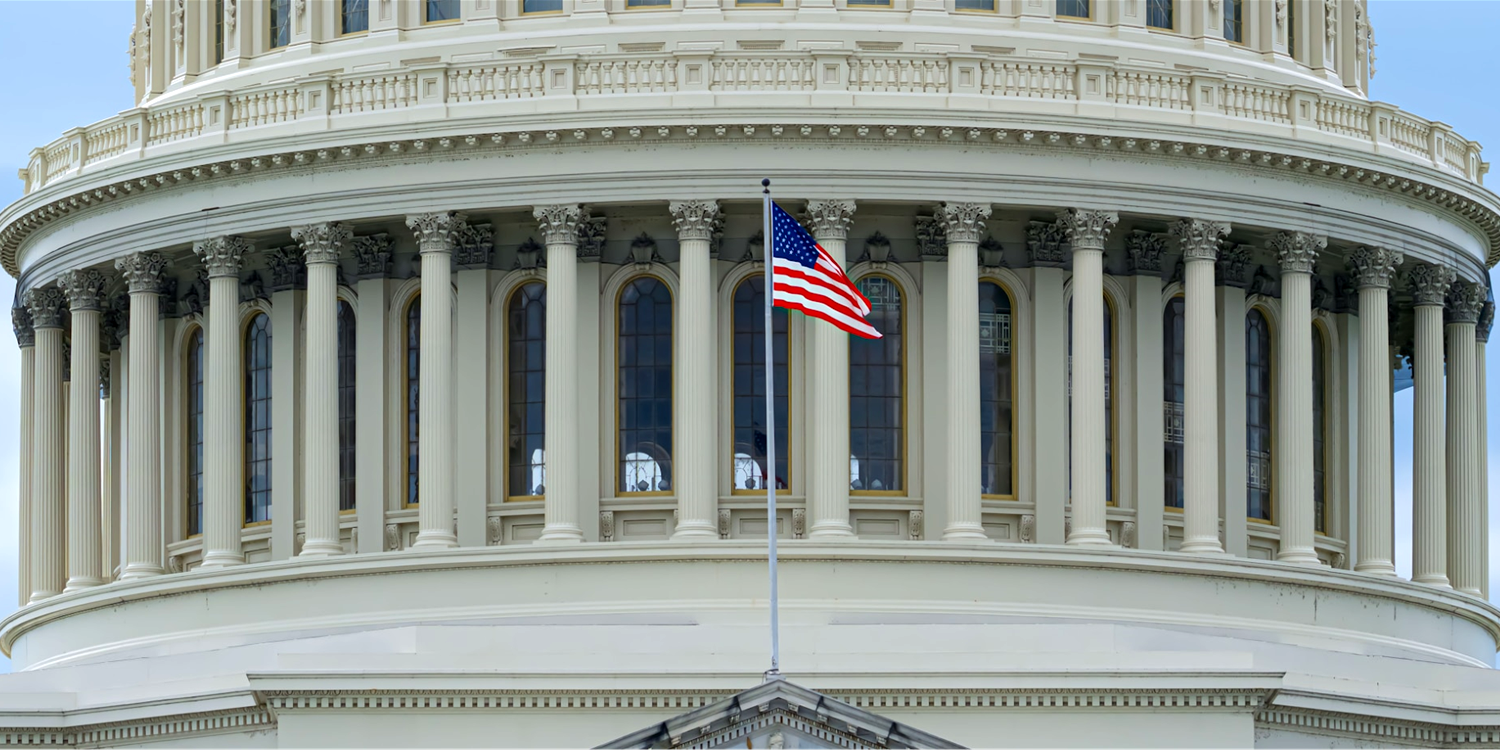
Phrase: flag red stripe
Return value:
(841, 320)
(837, 287)
(798, 283)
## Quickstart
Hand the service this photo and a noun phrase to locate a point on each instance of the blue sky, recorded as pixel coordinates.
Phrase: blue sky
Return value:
(1430, 54)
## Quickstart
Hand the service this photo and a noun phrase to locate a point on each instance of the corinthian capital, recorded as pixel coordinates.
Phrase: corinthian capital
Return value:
(143, 272)
(1146, 250)
(436, 232)
(322, 243)
(695, 219)
(1087, 229)
(372, 256)
(46, 306)
(20, 321)
(1429, 284)
(830, 219)
(1465, 300)
(964, 222)
(1199, 239)
(559, 223)
(222, 256)
(1481, 328)
(84, 288)
(1298, 251)
(1373, 267)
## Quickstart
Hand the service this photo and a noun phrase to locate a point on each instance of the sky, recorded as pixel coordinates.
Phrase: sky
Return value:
(1425, 63)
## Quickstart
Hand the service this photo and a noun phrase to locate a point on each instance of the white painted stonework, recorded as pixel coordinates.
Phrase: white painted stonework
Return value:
(390, 502)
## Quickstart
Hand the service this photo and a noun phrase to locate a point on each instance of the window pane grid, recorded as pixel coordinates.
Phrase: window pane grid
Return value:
(1159, 14)
(195, 434)
(1319, 432)
(354, 16)
(876, 391)
(996, 391)
(346, 405)
(645, 387)
(281, 23)
(1258, 416)
(1174, 380)
(413, 382)
(526, 374)
(258, 420)
(750, 387)
(1234, 19)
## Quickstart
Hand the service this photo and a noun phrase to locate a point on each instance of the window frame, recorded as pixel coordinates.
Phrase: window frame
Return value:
(618, 479)
(1171, 13)
(992, 10)
(409, 471)
(194, 330)
(733, 394)
(271, 16)
(1056, 13)
(247, 326)
(1015, 406)
(1240, 26)
(341, 18)
(427, 10)
(903, 455)
(626, 5)
(1271, 398)
(560, 10)
(505, 382)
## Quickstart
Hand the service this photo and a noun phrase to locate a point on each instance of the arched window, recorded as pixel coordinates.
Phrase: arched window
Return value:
(877, 389)
(526, 391)
(1173, 338)
(1320, 429)
(1074, 9)
(644, 348)
(997, 391)
(411, 389)
(257, 363)
(346, 405)
(1258, 469)
(195, 433)
(281, 23)
(1109, 397)
(1234, 21)
(750, 386)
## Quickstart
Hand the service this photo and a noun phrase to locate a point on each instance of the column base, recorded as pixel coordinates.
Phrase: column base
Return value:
(561, 533)
(221, 559)
(831, 530)
(321, 548)
(435, 540)
(1094, 538)
(1437, 582)
(694, 531)
(1380, 568)
(135, 571)
(41, 596)
(1202, 547)
(83, 582)
(965, 532)
(1298, 557)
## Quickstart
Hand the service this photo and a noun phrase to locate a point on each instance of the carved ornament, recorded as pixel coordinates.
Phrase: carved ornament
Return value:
(435, 232)
(932, 236)
(475, 246)
(222, 256)
(1374, 267)
(288, 271)
(143, 272)
(694, 219)
(830, 219)
(1465, 301)
(1146, 250)
(559, 224)
(323, 243)
(1486, 320)
(1087, 229)
(1047, 244)
(20, 322)
(964, 222)
(1429, 284)
(1298, 251)
(1200, 239)
(372, 256)
(84, 289)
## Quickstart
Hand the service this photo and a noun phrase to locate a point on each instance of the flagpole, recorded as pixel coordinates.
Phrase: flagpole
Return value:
(769, 475)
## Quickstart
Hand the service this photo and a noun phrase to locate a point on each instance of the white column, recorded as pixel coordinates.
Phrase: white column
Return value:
(372, 257)
(321, 245)
(1373, 268)
(559, 227)
(85, 291)
(1464, 514)
(1146, 250)
(1086, 231)
(48, 455)
(223, 410)
(436, 234)
(144, 274)
(696, 450)
(1200, 402)
(1482, 451)
(1293, 441)
(1429, 287)
(964, 223)
(828, 468)
(26, 339)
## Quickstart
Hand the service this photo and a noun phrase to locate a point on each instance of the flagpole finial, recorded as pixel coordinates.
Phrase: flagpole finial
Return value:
(766, 183)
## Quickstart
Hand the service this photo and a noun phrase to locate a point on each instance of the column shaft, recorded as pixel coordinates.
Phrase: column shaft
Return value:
(1088, 422)
(1429, 454)
(85, 548)
(560, 442)
(321, 410)
(1465, 516)
(1481, 458)
(143, 542)
(829, 481)
(27, 408)
(47, 467)
(696, 448)
(1294, 428)
(223, 426)
(964, 474)
(1200, 406)
(435, 403)
(1376, 506)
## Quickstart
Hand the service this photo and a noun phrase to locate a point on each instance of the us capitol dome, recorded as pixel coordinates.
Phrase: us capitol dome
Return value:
(392, 376)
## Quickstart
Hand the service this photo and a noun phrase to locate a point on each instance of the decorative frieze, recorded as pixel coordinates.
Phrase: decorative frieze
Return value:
(1429, 284)
(1233, 264)
(964, 222)
(20, 321)
(1146, 250)
(830, 219)
(372, 256)
(84, 289)
(287, 267)
(1465, 300)
(476, 246)
(1047, 244)
(46, 305)
(222, 256)
(1298, 251)
(1200, 239)
(323, 243)
(435, 232)
(1086, 228)
(694, 219)
(1374, 267)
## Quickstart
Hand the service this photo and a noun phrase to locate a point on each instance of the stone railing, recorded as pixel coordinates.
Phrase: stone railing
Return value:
(920, 82)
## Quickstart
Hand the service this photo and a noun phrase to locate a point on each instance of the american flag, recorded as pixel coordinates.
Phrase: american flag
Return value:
(806, 278)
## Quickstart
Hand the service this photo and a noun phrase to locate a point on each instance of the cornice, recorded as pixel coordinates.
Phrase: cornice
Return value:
(1382, 175)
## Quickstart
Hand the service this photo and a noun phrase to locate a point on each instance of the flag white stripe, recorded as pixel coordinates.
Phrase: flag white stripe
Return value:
(812, 288)
(841, 315)
(837, 289)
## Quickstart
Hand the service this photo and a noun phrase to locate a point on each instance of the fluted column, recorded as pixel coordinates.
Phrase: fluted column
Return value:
(1087, 231)
(144, 274)
(321, 245)
(223, 415)
(696, 449)
(436, 234)
(1429, 287)
(85, 291)
(559, 227)
(964, 223)
(1200, 398)
(828, 469)
(48, 453)
(1464, 514)
(1373, 268)
(1482, 450)
(1298, 252)
(20, 319)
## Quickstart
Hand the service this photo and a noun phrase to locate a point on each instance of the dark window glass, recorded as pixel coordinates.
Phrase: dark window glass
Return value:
(1173, 346)
(257, 354)
(354, 16)
(1291, 29)
(974, 5)
(541, 6)
(1159, 14)
(1320, 431)
(346, 405)
(218, 31)
(195, 433)
(757, 2)
(526, 385)
(1258, 469)
(1109, 407)
(442, 10)
(876, 390)
(413, 381)
(645, 386)
(997, 394)
(1234, 21)
(1073, 8)
(750, 386)
(281, 23)
(876, 3)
